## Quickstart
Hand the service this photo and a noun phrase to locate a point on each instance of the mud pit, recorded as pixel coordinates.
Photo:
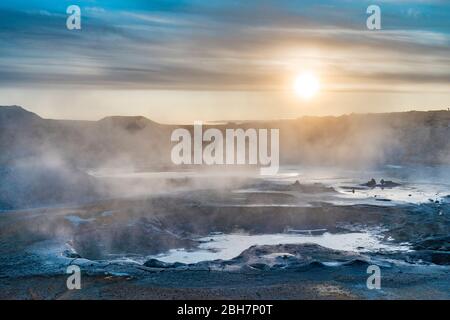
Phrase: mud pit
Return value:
(276, 229)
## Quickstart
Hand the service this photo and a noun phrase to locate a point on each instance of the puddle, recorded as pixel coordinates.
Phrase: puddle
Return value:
(228, 246)
(419, 184)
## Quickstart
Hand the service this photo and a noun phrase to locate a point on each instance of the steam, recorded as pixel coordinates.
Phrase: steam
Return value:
(92, 166)
(48, 162)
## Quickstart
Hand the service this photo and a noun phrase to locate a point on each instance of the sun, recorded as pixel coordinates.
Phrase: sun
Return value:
(306, 85)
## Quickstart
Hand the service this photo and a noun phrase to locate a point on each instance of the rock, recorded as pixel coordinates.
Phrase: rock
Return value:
(309, 188)
(389, 184)
(383, 184)
(154, 263)
(260, 266)
(433, 256)
(440, 257)
(434, 243)
(372, 183)
(71, 254)
(178, 264)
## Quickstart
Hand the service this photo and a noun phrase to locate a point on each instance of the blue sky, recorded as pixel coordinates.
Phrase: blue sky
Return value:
(241, 47)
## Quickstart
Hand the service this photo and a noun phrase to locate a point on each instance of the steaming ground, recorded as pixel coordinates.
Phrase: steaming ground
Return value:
(306, 233)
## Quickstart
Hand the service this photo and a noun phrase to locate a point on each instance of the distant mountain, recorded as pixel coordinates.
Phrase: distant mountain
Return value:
(16, 113)
(403, 137)
(130, 141)
(131, 124)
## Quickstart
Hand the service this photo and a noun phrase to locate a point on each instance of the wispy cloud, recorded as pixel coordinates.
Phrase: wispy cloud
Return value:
(222, 45)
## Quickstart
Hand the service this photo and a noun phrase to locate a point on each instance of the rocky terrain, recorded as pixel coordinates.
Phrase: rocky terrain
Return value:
(71, 192)
(116, 243)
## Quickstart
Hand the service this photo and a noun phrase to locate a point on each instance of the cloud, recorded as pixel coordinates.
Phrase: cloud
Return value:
(223, 45)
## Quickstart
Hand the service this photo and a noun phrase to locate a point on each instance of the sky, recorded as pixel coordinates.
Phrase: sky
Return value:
(178, 61)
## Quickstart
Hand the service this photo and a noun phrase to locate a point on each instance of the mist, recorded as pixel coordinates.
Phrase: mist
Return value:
(52, 162)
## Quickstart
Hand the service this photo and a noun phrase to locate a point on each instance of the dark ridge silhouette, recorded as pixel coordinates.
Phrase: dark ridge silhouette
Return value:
(348, 140)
